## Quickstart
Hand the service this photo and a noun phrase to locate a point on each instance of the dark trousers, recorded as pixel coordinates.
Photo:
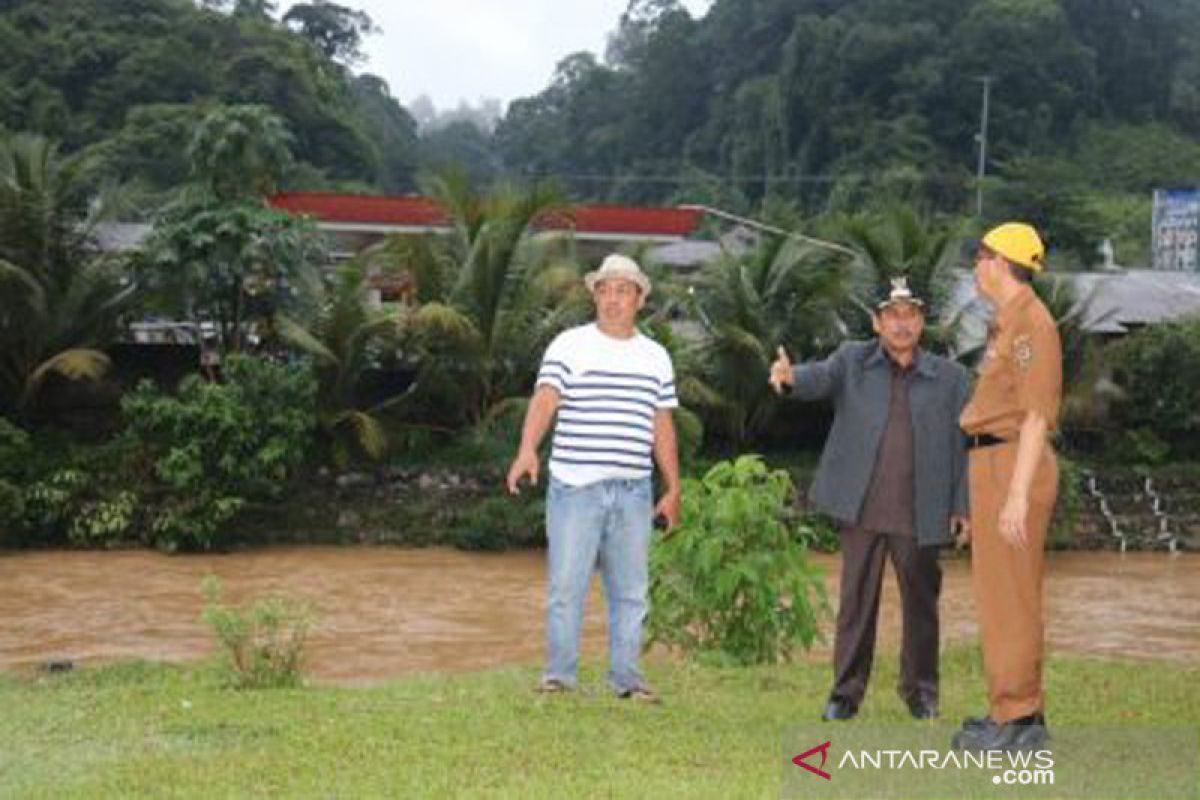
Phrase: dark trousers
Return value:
(920, 578)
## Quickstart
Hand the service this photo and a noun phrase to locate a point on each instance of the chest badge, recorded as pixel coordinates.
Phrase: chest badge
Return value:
(1023, 351)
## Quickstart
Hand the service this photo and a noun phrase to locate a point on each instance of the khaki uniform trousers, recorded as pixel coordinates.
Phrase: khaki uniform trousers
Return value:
(1008, 580)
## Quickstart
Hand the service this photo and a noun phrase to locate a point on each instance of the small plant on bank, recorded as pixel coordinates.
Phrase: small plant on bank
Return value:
(734, 579)
(264, 641)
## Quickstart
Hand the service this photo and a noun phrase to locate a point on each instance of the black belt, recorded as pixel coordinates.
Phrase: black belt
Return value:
(983, 440)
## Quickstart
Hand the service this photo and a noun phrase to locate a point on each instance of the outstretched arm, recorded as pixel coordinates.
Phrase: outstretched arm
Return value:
(818, 380)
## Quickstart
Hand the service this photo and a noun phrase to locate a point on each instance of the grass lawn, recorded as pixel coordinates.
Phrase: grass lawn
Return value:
(173, 731)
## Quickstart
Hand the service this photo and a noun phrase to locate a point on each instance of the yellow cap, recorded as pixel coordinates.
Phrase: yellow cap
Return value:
(1019, 243)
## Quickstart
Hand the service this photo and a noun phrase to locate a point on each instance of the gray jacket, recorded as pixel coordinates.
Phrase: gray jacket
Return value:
(857, 378)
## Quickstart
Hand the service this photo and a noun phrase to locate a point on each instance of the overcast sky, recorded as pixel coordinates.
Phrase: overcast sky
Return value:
(454, 50)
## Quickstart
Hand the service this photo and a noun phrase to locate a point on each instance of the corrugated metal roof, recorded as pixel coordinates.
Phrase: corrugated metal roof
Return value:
(1110, 303)
(1135, 297)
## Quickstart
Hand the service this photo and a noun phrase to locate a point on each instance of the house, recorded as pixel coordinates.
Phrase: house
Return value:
(1111, 304)
(355, 222)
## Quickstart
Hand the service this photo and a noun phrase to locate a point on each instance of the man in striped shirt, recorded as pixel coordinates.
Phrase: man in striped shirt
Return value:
(612, 390)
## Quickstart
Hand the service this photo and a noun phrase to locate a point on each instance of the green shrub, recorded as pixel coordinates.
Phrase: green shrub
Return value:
(689, 433)
(15, 449)
(14, 456)
(103, 522)
(50, 503)
(500, 523)
(1158, 371)
(734, 579)
(12, 511)
(263, 642)
(1141, 446)
(215, 446)
(1069, 505)
(86, 495)
(818, 532)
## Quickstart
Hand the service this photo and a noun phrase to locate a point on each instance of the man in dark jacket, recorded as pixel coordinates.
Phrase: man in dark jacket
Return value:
(893, 476)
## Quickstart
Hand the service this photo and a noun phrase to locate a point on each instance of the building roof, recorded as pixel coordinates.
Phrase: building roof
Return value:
(1110, 303)
(413, 212)
(1114, 302)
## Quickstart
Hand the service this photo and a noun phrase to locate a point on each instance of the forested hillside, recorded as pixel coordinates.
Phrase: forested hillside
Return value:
(808, 105)
(130, 79)
(829, 102)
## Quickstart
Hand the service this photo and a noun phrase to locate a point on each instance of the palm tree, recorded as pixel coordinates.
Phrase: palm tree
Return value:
(784, 292)
(60, 297)
(339, 329)
(491, 294)
(898, 241)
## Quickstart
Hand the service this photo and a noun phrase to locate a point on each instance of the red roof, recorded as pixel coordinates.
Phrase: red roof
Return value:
(365, 209)
(423, 212)
(627, 219)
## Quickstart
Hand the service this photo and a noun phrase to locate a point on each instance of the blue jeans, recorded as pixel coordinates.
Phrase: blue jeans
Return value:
(607, 522)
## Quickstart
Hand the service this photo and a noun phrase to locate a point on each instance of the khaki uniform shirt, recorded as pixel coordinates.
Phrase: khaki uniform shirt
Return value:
(1020, 372)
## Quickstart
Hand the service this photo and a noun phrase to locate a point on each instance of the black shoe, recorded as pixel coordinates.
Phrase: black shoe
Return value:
(923, 708)
(977, 722)
(1025, 733)
(1030, 737)
(838, 709)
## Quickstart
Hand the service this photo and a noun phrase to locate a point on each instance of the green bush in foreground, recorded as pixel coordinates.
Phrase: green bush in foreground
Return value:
(264, 641)
(734, 580)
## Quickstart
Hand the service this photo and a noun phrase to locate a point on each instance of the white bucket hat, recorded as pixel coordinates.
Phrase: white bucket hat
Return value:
(618, 267)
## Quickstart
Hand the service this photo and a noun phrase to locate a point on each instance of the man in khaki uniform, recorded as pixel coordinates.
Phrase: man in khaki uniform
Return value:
(1013, 486)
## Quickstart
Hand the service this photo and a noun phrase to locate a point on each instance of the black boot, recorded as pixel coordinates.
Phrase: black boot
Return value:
(1023, 733)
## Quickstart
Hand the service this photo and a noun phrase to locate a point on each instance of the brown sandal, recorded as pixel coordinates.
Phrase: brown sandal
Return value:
(552, 686)
(641, 694)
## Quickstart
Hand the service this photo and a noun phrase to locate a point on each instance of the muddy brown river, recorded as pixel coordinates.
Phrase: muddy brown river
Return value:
(385, 612)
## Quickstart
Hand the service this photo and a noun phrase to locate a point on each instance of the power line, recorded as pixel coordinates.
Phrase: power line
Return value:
(929, 177)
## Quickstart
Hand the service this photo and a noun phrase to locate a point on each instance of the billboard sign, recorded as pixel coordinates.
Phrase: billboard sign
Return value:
(1176, 230)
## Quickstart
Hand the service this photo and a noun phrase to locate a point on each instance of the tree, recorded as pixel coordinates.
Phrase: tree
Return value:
(395, 130)
(503, 294)
(1051, 195)
(151, 147)
(341, 332)
(1044, 78)
(254, 9)
(574, 127)
(230, 263)
(60, 297)
(463, 145)
(784, 292)
(77, 71)
(240, 151)
(220, 253)
(337, 31)
(898, 241)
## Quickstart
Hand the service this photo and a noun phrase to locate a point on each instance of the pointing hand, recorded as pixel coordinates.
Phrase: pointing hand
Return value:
(781, 371)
